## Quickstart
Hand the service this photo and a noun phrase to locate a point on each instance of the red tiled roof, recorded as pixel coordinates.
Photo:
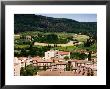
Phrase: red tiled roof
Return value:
(36, 58)
(63, 53)
(44, 61)
(57, 59)
(60, 63)
(80, 61)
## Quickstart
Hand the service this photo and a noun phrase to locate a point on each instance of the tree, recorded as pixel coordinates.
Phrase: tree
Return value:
(32, 52)
(23, 37)
(92, 73)
(78, 55)
(88, 73)
(39, 35)
(44, 68)
(89, 56)
(31, 44)
(70, 38)
(68, 66)
(51, 38)
(75, 55)
(89, 42)
(30, 70)
(23, 52)
(66, 57)
(82, 56)
(22, 71)
(55, 45)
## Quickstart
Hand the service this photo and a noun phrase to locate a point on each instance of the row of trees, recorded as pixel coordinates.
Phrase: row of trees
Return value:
(51, 39)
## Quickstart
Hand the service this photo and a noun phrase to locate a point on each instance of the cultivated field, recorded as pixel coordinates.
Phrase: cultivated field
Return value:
(81, 38)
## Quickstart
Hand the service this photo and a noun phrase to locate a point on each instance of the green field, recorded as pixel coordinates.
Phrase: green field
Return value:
(21, 46)
(81, 38)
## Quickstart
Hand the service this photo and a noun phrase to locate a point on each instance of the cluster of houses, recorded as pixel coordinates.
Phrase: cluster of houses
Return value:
(54, 60)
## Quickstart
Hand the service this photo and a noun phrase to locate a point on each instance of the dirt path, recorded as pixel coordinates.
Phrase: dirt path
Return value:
(63, 45)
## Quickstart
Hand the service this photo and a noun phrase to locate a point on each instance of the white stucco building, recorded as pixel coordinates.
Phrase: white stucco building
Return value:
(25, 61)
(20, 62)
(50, 54)
(62, 54)
(16, 69)
(56, 54)
(16, 60)
(16, 66)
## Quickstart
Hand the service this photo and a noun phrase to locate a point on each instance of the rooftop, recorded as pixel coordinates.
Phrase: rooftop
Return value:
(63, 53)
(44, 61)
(36, 58)
(81, 61)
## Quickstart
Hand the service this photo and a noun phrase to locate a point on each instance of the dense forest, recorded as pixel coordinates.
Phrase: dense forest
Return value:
(32, 22)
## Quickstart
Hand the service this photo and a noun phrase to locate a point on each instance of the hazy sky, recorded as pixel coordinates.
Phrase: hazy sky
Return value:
(77, 17)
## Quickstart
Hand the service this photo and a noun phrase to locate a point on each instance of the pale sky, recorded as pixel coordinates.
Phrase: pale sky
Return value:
(77, 17)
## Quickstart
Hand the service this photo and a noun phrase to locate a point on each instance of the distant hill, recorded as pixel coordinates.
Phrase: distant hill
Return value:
(31, 22)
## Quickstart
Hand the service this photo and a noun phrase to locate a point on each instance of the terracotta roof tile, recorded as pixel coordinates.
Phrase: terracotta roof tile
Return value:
(36, 58)
(44, 61)
(60, 63)
(63, 53)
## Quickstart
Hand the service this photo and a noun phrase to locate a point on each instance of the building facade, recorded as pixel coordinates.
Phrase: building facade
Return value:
(16, 69)
(56, 54)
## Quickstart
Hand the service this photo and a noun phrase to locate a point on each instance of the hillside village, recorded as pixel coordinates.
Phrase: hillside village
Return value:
(54, 63)
(48, 46)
